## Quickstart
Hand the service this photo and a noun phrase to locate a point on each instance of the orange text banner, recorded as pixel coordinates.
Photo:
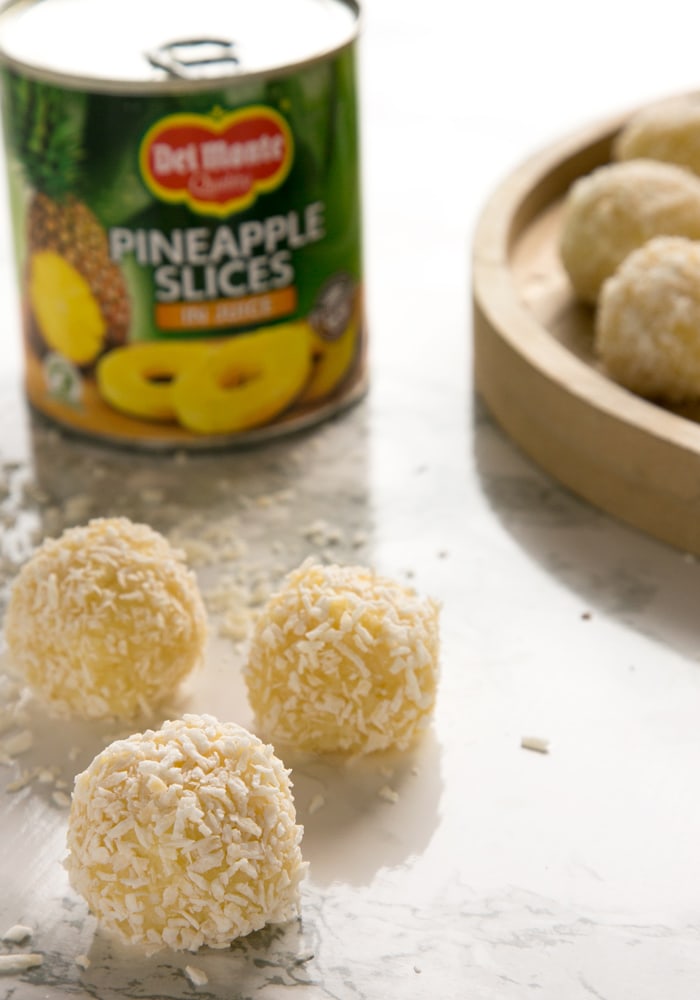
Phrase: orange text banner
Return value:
(214, 315)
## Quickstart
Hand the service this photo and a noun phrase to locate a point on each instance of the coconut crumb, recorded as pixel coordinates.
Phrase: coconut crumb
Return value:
(17, 933)
(82, 961)
(23, 779)
(19, 962)
(17, 743)
(536, 743)
(151, 495)
(77, 508)
(321, 533)
(388, 794)
(197, 977)
(317, 802)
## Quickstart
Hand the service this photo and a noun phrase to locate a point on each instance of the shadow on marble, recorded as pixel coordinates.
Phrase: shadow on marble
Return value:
(368, 814)
(360, 815)
(616, 570)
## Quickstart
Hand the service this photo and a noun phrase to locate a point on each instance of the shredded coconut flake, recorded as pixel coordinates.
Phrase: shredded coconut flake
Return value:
(197, 977)
(317, 802)
(536, 743)
(388, 794)
(17, 933)
(19, 962)
(17, 743)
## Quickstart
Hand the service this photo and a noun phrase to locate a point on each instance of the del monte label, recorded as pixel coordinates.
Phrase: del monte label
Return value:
(188, 245)
(217, 164)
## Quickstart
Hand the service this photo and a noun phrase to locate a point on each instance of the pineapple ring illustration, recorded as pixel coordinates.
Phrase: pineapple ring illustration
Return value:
(331, 361)
(209, 388)
(246, 381)
(138, 379)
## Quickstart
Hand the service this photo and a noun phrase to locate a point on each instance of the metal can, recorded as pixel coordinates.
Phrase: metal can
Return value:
(186, 214)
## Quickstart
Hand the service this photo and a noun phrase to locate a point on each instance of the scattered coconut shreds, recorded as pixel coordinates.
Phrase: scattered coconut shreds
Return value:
(536, 743)
(152, 495)
(17, 743)
(21, 781)
(259, 593)
(13, 698)
(227, 594)
(210, 543)
(321, 533)
(82, 961)
(17, 933)
(388, 794)
(60, 799)
(197, 977)
(317, 802)
(77, 508)
(19, 962)
(236, 626)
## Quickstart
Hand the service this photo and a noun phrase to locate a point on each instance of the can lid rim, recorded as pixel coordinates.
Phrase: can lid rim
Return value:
(135, 86)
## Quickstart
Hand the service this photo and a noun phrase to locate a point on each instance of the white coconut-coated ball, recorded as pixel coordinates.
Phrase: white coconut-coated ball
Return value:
(106, 620)
(667, 130)
(344, 660)
(615, 209)
(647, 330)
(186, 836)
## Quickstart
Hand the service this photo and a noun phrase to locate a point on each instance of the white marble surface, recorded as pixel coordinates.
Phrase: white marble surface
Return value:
(499, 872)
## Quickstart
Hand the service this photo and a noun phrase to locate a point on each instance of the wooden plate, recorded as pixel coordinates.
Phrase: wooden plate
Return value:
(534, 366)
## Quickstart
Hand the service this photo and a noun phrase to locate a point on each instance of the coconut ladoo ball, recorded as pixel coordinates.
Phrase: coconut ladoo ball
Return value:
(185, 836)
(647, 331)
(343, 660)
(615, 209)
(106, 620)
(667, 130)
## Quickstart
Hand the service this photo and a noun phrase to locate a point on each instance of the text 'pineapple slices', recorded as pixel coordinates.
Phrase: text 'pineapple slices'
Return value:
(66, 311)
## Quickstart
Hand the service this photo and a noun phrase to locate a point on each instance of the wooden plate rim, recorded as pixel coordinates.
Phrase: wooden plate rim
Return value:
(662, 495)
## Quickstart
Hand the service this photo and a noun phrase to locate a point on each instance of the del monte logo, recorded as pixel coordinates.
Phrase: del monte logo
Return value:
(217, 164)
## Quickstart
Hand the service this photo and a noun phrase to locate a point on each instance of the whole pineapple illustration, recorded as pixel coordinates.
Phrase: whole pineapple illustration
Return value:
(76, 298)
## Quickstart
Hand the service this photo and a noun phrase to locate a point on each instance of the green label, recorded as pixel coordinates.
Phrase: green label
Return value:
(187, 217)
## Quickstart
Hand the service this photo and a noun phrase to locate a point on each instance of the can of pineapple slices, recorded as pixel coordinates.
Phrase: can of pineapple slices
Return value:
(185, 198)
